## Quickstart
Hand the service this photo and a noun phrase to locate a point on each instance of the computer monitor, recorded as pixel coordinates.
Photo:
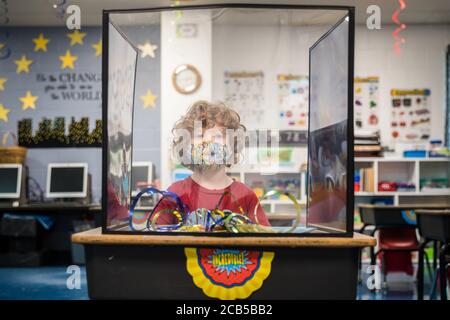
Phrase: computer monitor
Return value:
(67, 180)
(10, 180)
(141, 174)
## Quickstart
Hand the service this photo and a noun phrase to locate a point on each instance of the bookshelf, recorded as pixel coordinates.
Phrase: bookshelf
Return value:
(258, 177)
(423, 179)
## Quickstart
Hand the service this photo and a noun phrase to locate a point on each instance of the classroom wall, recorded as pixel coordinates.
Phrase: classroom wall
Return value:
(421, 63)
(177, 51)
(81, 100)
(271, 49)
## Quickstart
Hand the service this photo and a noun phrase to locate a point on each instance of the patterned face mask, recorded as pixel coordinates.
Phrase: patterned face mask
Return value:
(209, 154)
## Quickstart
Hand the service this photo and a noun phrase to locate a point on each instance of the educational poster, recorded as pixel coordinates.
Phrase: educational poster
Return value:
(410, 116)
(244, 91)
(293, 101)
(366, 103)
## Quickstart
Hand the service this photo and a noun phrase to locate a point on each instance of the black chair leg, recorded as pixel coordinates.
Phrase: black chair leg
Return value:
(383, 270)
(360, 265)
(433, 290)
(373, 261)
(428, 264)
(360, 257)
(435, 255)
(443, 272)
(420, 271)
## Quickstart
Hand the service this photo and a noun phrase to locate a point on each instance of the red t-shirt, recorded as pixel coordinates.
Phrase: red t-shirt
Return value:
(194, 196)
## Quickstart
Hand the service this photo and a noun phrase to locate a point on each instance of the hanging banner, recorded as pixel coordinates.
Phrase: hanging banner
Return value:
(228, 274)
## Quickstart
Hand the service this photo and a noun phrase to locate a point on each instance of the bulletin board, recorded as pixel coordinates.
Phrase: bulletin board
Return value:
(410, 116)
(366, 103)
(293, 101)
(244, 91)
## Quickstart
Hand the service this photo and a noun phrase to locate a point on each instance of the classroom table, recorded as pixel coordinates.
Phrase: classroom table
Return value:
(434, 225)
(156, 266)
(393, 215)
(55, 241)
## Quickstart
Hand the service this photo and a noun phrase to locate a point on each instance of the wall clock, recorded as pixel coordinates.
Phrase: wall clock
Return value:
(186, 79)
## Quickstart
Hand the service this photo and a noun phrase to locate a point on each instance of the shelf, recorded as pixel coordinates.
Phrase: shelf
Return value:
(365, 193)
(282, 202)
(401, 193)
(374, 159)
(264, 172)
(434, 193)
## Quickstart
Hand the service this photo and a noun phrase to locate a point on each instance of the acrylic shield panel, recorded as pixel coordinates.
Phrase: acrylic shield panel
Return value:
(328, 161)
(121, 77)
(286, 70)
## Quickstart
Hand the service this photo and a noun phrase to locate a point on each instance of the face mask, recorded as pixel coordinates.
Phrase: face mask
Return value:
(209, 154)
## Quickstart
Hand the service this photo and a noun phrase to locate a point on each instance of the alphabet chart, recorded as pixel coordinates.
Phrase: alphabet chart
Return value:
(244, 91)
(366, 103)
(410, 115)
(293, 94)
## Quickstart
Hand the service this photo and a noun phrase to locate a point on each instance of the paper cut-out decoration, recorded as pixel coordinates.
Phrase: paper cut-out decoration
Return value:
(4, 113)
(28, 101)
(228, 274)
(51, 134)
(2, 83)
(147, 49)
(23, 64)
(41, 43)
(76, 37)
(149, 99)
(68, 60)
(98, 48)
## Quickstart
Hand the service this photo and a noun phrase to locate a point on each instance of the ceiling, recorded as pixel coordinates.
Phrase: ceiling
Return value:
(42, 13)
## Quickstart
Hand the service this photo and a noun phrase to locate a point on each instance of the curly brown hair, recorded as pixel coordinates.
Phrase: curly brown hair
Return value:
(210, 115)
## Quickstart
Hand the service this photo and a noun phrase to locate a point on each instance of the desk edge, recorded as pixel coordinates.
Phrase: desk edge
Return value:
(95, 237)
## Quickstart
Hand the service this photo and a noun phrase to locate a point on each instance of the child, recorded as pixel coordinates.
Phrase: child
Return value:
(200, 142)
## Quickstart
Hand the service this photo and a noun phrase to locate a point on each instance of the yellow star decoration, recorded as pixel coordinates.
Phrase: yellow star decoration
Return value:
(2, 83)
(68, 60)
(41, 43)
(4, 113)
(76, 37)
(98, 48)
(23, 64)
(29, 101)
(2, 45)
(149, 99)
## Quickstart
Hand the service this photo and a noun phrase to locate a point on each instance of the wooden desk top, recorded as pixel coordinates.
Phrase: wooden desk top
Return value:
(405, 206)
(94, 236)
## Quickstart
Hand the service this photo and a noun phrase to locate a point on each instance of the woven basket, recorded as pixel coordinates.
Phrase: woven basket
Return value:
(12, 153)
